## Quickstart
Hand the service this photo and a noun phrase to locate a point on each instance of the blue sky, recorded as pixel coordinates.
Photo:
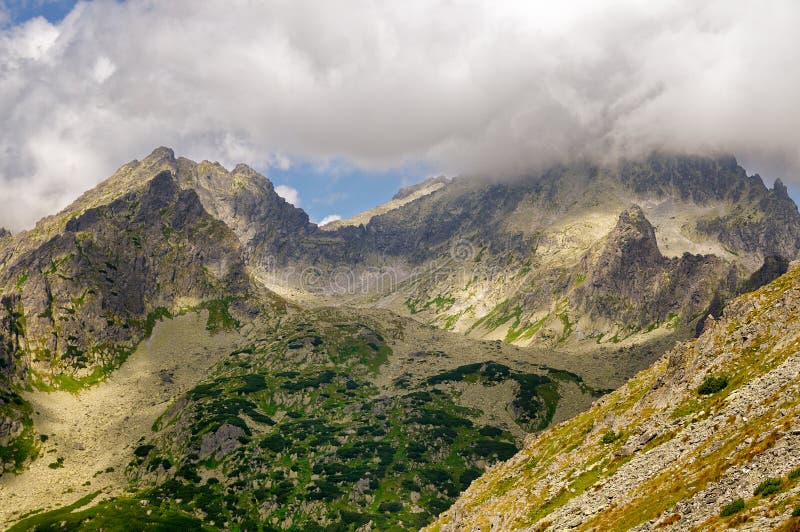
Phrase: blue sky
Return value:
(54, 11)
(342, 189)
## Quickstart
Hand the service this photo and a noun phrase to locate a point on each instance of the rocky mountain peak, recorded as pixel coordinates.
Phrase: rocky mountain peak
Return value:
(780, 190)
(4, 233)
(244, 169)
(633, 239)
(630, 282)
(162, 153)
(411, 189)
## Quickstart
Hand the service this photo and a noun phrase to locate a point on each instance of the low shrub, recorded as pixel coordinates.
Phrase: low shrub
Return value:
(610, 437)
(732, 508)
(768, 487)
(390, 506)
(143, 450)
(713, 384)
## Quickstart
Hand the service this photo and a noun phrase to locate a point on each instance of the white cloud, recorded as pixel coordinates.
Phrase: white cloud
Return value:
(289, 194)
(328, 219)
(473, 87)
(103, 69)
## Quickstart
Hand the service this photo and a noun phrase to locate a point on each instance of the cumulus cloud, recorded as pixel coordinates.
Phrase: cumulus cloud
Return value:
(289, 194)
(330, 218)
(465, 87)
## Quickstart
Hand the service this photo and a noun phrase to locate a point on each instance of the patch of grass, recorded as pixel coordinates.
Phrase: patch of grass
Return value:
(219, 315)
(24, 447)
(499, 315)
(160, 313)
(21, 281)
(114, 514)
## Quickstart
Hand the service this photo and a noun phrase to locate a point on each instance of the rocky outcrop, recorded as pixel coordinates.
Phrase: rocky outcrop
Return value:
(630, 282)
(224, 440)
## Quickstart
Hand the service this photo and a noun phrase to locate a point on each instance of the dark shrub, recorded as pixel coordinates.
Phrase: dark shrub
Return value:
(732, 508)
(768, 487)
(468, 476)
(143, 450)
(610, 437)
(713, 384)
(390, 506)
(491, 432)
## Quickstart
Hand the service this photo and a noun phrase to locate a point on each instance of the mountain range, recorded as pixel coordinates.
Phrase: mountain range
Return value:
(182, 346)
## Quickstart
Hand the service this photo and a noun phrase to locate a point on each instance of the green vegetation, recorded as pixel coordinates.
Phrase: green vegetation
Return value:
(24, 446)
(439, 303)
(500, 315)
(21, 281)
(712, 385)
(114, 514)
(768, 487)
(158, 314)
(732, 508)
(610, 437)
(524, 332)
(317, 442)
(536, 399)
(219, 316)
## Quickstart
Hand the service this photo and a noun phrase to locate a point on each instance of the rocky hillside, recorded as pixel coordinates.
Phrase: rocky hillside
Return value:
(404, 196)
(706, 439)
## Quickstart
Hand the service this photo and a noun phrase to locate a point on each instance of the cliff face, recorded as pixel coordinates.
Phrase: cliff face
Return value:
(711, 423)
(80, 300)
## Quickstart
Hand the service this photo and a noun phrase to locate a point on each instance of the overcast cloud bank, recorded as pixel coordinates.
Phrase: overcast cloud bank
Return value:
(467, 87)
